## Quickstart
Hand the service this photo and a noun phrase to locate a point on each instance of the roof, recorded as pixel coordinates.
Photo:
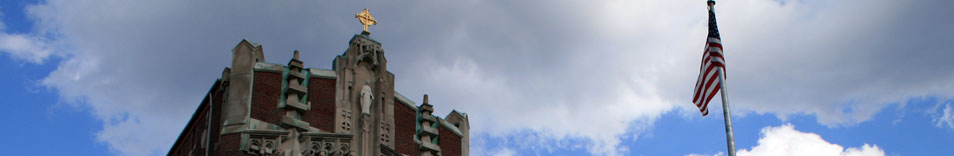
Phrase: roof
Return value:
(205, 103)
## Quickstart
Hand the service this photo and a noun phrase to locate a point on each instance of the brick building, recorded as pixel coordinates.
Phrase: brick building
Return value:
(260, 108)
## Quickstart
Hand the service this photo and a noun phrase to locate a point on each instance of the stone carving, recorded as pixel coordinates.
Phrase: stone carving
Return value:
(371, 56)
(385, 132)
(291, 145)
(326, 146)
(327, 149)
(367, 97)
(345, 149)
(261, 146)
(365, 139)
(296, 143)
(346, 124)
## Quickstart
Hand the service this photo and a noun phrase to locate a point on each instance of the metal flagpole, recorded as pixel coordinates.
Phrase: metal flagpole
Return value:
(729, 138)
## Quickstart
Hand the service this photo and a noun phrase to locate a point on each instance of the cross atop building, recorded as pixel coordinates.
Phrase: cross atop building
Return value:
(366, 19)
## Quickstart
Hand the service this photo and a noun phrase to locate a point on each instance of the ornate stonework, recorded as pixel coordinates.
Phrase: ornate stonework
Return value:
(363, 82)
(267, 109)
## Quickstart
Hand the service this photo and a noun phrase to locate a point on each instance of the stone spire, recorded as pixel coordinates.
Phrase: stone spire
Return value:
(428, 132)
(294, 95)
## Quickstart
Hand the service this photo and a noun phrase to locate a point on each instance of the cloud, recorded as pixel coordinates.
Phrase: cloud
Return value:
(142, 68)
(504, 152)
(591, 71)
(785, 140)
(25, 47)
(943, 117)
(842, 61)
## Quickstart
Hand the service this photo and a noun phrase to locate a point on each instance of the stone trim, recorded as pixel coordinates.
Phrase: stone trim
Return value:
(366, 37)
(429, 118)
(269, 67)
(323, 73)
(404, 100)
(255, 125)
(325, 134)
(287, 120)
(276, 142)
(259, 131)
(429, 130)
(388, 151)
(451, 127)
(430, 146)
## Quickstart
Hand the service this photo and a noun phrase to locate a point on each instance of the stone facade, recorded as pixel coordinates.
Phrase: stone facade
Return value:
(260, 108)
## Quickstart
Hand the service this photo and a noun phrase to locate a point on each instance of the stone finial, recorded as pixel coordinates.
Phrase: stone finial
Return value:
(425, 99)
(296, 55)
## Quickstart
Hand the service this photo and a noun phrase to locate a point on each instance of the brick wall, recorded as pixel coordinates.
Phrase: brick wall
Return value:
(449, 142)
(266, 93)
(229, 145)
(266, 90)
(216, 127)
(404, 126)
(198, 130)
(190, 141)
(321, 93)
(185, 146)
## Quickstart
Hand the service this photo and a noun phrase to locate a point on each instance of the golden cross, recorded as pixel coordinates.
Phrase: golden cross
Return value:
(366, 19)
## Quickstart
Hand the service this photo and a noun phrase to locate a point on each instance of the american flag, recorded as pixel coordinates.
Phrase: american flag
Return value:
(712, 64)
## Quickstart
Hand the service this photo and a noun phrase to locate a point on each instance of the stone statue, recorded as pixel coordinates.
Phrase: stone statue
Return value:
(367, 96)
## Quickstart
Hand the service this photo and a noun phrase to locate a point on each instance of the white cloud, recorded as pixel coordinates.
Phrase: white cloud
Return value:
(24, 46)
(142, 68)
(785, 140)
(504, 152)
(943, 117)
(588, 71)
(842, 61)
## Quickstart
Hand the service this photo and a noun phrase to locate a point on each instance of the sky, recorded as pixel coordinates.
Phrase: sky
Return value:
(558, 77)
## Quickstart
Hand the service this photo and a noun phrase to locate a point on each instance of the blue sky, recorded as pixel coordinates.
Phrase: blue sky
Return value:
(35, 116)
(807, 77)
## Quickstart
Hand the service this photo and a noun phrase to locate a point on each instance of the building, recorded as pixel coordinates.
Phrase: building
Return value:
(260, 108)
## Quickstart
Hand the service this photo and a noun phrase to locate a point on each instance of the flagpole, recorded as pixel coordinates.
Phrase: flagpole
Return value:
(729, 138)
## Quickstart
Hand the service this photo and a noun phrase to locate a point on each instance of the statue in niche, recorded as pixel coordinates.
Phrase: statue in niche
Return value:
(367, 96)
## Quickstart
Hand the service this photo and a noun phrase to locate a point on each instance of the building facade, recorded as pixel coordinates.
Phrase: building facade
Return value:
(260, 108)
